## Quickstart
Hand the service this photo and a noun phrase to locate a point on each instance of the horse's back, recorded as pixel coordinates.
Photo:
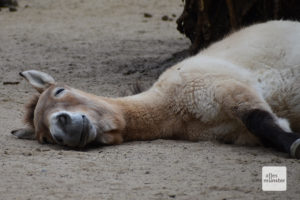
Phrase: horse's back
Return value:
(271, 45)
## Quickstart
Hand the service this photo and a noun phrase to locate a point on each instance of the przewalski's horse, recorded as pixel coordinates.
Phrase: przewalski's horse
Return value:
(244, 89)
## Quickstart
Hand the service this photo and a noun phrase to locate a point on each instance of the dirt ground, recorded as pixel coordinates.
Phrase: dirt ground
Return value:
(104, 47)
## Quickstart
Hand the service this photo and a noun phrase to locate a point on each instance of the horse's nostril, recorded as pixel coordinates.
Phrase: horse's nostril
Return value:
(58, 138)
(63, 119)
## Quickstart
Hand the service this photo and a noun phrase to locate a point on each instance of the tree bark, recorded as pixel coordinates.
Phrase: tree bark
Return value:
(205, 21)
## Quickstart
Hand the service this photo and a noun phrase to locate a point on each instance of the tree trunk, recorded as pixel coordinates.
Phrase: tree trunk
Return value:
(205, 21)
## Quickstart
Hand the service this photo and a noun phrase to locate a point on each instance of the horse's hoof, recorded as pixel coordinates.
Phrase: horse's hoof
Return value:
(295, 149)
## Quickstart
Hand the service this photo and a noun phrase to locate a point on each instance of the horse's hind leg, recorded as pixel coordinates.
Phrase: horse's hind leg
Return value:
(263, 124)
(244, 103)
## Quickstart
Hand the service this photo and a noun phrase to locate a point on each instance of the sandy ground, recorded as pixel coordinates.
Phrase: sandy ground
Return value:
(104, 47)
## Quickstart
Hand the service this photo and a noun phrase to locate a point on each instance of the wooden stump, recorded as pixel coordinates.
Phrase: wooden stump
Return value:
(205, 21)
(11, 4)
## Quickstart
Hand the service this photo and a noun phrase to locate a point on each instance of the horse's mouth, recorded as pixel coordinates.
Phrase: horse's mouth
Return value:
(84, 132)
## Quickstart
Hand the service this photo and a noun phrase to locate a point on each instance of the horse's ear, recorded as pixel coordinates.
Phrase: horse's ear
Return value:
(39, 80)
(26, 133)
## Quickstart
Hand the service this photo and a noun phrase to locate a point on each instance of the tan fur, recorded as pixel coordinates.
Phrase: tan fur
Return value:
(201, 98)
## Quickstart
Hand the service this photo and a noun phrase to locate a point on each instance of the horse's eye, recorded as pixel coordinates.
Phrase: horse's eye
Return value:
(60, 90)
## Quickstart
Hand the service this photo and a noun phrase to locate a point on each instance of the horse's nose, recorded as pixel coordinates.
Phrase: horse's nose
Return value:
(63, 119)
(67, 128)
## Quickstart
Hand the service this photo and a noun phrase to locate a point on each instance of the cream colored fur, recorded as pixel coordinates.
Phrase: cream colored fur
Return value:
(202, 97)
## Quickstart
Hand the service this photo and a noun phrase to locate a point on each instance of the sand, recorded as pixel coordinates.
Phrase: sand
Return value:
(105, 47)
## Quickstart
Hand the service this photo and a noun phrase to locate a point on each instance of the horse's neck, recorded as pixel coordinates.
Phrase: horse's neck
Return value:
(146, 116)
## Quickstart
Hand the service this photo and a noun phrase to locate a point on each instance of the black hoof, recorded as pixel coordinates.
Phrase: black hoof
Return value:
(295, 149)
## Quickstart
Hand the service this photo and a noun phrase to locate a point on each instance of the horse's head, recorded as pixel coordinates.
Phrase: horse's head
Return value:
(67, 116)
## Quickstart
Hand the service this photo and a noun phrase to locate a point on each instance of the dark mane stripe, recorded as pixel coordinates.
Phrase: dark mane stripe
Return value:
(30, 107)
